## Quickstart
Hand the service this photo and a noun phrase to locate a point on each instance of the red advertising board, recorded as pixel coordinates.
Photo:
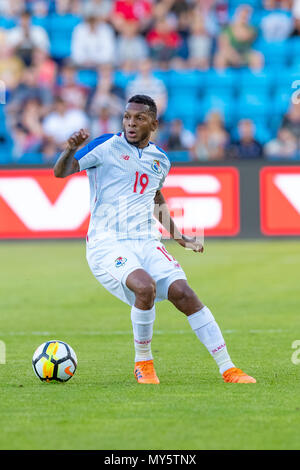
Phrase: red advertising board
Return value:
(280, 200)
(34, 204)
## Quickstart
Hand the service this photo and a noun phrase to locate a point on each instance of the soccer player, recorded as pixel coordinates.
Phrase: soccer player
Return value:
(126, 173)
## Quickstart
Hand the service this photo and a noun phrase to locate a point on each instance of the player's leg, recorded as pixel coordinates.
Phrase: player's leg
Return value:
(142, 317)
(206, 328)
(117, 268)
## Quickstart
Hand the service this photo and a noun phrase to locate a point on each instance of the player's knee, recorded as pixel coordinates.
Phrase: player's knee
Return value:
(180, 292)
(146, 291)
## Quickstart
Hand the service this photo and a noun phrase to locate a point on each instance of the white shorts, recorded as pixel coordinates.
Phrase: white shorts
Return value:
(111, 261)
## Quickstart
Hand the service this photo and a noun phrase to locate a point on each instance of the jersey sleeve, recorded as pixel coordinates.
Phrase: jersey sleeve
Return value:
(165, 174)
(92, 154)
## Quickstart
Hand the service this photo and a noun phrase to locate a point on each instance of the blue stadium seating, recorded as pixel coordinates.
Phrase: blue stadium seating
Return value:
(60, 31)
(87, 77)
(261, 82)
(122, 79)
(178, 156)
(214, 102)
(275, 53)
(221, 81)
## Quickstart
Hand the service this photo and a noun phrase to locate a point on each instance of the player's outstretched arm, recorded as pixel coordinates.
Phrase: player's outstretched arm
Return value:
(162, 214)
(66, 164)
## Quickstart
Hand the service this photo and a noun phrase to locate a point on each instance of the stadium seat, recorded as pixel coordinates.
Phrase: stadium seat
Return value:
(87, 77)
(182, 109)
(7, 23)
(294, 49)
(275, 53)
(184, 82)
(222, 81)
(283, 99)
(178, 156)
(60, 32)
(31, 159)
(260, 82)
(252, 104)
(43, 22)
(163, 75)
(121, 79)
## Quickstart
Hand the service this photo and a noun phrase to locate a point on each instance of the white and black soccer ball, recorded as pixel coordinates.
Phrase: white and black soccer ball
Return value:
(54, 360)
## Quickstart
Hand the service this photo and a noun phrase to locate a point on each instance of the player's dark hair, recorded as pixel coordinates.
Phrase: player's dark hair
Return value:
(147, 100)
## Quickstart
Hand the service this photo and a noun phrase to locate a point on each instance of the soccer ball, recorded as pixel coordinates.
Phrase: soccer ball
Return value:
(54, 360)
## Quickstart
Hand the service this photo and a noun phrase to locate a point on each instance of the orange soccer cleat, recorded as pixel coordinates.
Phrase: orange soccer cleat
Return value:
(237, 376)
(144, 372)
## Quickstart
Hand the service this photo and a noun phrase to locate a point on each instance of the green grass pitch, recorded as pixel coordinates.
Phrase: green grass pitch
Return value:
(47, 292)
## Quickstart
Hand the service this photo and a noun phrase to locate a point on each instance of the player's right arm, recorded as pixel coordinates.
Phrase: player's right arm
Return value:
(66, 164)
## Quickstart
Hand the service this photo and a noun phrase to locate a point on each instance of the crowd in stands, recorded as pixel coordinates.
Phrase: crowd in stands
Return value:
(221, 73)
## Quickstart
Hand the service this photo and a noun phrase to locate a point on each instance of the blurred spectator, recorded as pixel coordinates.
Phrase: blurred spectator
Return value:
(199, 45)
(291, 121)
(25, 37)
(136, 11)
(277, 25)
(49, 151)
(176, 11)
(131, 47)
(62, 122)
(296, 16)
(178, 138)
(100, 8)
(65, 7)
(11, 66)
(147, 84)
(106, 95)
(73, 93)
(211, 139)
(93, 43)
(164, 42)
(11, 9)
(200, 149)
(235, 43)
(28, 89)
(45, 68)
(104, 122)
(27, 130)
(273, 4)
(246, 147)
(39, 10)
(284, 146)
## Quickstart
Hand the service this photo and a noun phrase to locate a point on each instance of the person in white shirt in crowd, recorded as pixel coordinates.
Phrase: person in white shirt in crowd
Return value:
(284, 146)
(277, 24)
(61, 121)
(199, 44)
(25, 37)
(100, 8)
(147, 84)
(131, 47)
(93, 43)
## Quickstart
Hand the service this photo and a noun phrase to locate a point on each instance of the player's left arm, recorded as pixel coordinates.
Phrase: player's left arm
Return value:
(162, 214)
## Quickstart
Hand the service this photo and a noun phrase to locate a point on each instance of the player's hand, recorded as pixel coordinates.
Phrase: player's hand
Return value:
(77, 139)
(191, 243)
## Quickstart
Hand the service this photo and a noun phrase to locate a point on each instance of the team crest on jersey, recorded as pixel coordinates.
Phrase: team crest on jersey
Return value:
(120, 261)
(125, 157)
(156, 166)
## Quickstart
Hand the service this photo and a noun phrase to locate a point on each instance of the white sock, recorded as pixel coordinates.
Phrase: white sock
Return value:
(142, 325)
(209, 333)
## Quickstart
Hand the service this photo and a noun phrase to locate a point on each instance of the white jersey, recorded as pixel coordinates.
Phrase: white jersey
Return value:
(123, 182)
